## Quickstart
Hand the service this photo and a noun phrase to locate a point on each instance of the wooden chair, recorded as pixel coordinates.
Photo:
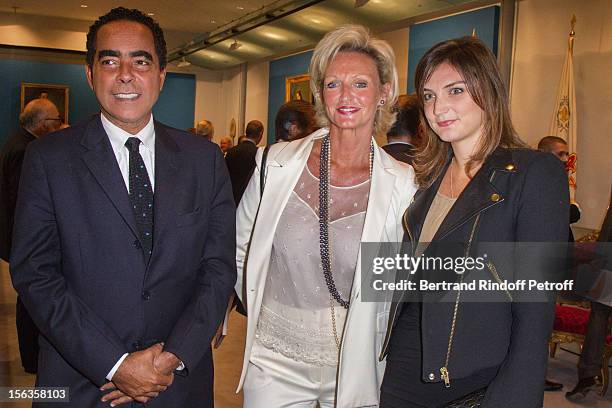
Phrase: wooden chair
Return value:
(570, 327)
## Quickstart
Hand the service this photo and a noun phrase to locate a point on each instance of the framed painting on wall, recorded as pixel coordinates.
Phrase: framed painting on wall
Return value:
(58, 94)
(298, 88)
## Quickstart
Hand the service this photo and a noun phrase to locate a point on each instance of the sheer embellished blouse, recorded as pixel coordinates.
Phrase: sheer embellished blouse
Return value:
(295, 318)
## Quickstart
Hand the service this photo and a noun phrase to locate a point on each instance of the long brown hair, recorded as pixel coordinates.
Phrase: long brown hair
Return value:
(477, 66)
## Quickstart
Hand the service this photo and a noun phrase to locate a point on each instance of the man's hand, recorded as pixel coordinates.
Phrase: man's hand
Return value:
(165, 363)
(137, 377)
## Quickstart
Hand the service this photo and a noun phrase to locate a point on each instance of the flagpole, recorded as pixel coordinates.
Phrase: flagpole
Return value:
(564, 120)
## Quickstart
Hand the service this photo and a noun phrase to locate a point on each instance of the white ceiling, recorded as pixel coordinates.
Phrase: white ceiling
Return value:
(196, 19)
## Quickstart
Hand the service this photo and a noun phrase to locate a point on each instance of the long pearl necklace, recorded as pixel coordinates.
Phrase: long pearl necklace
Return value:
(324, 242)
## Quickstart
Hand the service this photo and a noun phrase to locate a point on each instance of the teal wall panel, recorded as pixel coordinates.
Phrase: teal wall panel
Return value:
(423, 36)
(175, 107)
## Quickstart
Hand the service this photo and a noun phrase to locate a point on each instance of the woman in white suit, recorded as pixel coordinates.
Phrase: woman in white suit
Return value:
(310, 337)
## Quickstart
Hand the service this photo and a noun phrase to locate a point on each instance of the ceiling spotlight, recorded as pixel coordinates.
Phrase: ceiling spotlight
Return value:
(183, 63)
(83, 5)
(234, 46)
(360, 3)
(150, 14)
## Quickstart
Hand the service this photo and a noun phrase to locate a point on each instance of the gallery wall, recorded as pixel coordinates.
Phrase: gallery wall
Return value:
(258, 77)
(483, 22)
(82, 102)
(539, 47)
(280, 69)
(542, 28)
(175, 106)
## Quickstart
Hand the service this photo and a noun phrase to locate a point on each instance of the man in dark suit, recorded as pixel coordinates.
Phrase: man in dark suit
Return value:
(124, 240)
(39, 117)
(558, 147)
(405, 131)
(589, 365)
(240, 159)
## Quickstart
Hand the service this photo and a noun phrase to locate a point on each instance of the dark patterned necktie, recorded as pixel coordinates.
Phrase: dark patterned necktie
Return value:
(141, 196)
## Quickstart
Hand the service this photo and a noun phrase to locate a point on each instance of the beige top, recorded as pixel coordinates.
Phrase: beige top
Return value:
(295, 318)
(440, 207)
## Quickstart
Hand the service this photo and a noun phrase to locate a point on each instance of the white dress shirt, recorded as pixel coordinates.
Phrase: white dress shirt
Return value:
(118, 137)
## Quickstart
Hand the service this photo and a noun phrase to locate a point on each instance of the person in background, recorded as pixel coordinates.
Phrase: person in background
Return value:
(558, 147)
(294, 120)
(39, 118)
(310, 337)
(124, 241)
(479, 183)
(406, 130)
(226, 143)
(205, 129)
(589, 365)
(240, 159)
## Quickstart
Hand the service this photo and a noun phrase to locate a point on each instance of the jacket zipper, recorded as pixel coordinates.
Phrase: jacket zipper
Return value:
(444, 374)
(495, 274)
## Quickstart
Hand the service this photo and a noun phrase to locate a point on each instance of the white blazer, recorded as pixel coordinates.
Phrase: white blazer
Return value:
(392, 189)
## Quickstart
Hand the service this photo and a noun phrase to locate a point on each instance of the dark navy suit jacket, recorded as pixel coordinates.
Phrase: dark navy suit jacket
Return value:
(11, 160)
(78, 265)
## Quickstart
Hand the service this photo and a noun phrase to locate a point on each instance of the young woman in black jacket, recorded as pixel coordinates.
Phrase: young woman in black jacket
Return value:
(479, 184)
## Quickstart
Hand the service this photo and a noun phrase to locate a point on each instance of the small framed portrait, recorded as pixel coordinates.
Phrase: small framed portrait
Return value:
(58, 94)
(298, 88)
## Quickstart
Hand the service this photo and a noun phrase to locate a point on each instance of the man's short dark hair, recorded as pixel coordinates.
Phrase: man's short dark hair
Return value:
(547, 142)
(254, 129)
(122, 13)
(408, 118)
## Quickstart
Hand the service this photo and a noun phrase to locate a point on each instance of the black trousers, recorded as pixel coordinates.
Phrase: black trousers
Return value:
(27, 334)
(589, 364)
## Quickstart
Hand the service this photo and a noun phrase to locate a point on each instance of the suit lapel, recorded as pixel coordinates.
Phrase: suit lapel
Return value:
(477, 196)
(102, 163)
(417, 211)
(166, 178)
(379, 201)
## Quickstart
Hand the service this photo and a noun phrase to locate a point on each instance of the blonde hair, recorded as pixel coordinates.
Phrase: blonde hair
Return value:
(228, 139)
(205, 128)
(478, 67)
(355, 38)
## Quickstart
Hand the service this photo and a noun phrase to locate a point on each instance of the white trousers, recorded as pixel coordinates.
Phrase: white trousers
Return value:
(276, 381)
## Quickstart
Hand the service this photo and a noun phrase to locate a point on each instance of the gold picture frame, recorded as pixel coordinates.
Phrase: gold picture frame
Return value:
(298, 88)
(58, 94)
